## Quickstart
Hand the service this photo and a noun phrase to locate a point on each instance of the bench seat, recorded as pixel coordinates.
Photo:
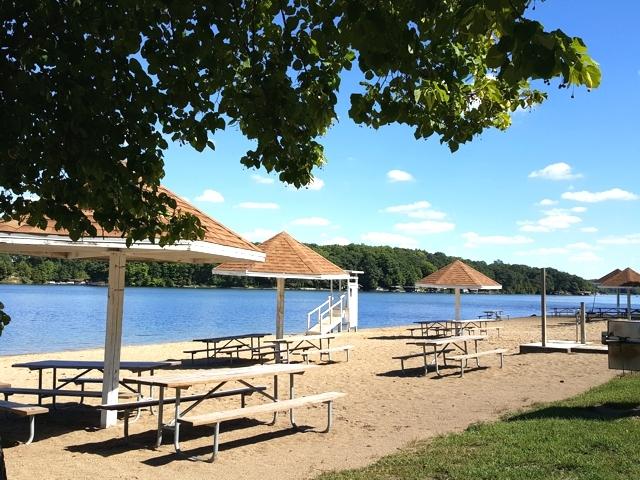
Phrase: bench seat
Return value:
(51, 392)
(128, 407)
(402, 358)
(463, 358)
(215, 418)
(323, 351)
(24, 410)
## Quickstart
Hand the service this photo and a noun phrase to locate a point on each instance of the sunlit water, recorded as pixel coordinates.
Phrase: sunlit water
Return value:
(51, 318)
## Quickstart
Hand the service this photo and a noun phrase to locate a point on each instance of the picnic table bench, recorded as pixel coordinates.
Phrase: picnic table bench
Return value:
(216, 418)
(228, 345)
(219, 378)
(306, 353)
(408, 356)
(128, 407)
(24, 410)
(292, 343)
(440, 345)
(476, 355)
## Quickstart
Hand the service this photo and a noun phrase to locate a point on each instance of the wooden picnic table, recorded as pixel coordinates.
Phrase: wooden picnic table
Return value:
(437, 325)
(292, 343)
(217, 377)
(229, 343)
(479, 323)
(85, 367)
(458, 341)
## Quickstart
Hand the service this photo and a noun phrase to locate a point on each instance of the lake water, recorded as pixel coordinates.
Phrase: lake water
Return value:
(49, 318)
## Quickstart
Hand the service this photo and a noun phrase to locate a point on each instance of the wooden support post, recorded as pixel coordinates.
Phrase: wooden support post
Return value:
(629, 304)
(279, 316)
(113, 337)
(457, 312)
(583, 324)
(543, 308)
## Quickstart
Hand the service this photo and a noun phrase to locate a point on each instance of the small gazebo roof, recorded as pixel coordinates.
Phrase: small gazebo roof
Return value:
(612, 273)
(626, 278)
(218, 245)
(286, 258)
(458, 275)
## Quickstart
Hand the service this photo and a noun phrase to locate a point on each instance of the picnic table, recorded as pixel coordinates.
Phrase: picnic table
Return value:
(493, 314)
(479, 323)
(85, 367)
(292, 343)
(439, 346)
(218, 378)
(229, 344)
(440, 326)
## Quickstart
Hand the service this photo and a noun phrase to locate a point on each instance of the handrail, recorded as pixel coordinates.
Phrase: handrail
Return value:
(325, 308)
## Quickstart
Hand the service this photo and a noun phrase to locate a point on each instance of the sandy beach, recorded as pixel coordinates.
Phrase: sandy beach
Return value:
(382, 412)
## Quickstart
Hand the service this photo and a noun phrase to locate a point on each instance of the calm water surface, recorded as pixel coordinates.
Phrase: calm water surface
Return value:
(49, 318)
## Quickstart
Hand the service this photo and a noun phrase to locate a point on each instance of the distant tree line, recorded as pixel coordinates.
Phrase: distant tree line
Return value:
(383, 267)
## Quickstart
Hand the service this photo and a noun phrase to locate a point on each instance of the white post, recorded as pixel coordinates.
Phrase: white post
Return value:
(629, 304)
(583, 324)
(352, 301)
(280, 308)
(543, 308)
(457, 313)
(113, 337)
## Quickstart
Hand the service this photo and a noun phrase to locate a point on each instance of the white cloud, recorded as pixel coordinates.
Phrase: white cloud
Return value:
(399, 176)
(316, 184)
(335, 241)
(585, 256)
(425, 228)
(546, 202)
(427, 214)
(311, 222)
(629, 239)
(555, 171)
(259, 234)
(262, 180)
(579, 209)
(259, 205)
(411, 207)
(391, 239)
(210, 196)
(594, 197)
(588, 229)
(581, 246)
(554, 219)
(473, 239)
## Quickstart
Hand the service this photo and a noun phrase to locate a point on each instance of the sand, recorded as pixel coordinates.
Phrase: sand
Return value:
(382, 412)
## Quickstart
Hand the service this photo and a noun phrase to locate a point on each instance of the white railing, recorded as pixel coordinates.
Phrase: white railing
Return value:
(326, 309)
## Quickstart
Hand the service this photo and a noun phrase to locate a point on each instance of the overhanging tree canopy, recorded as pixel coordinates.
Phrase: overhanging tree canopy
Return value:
(86, 85)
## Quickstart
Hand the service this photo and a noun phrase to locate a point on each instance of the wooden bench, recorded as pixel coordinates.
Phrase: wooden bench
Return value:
(413, 329)
(216, 418)
(324, 351)
(463, 358)
(128, 407)
(402, 358)
(52, 392)
(24, 410)
(237, 349)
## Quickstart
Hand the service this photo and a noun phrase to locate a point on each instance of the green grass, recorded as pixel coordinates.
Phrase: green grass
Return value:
(595, 435)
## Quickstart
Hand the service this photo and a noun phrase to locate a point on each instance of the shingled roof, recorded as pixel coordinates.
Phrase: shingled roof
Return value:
(458, 275)
(219, 242)
(286, 258)
(613, 273)
(625, 278)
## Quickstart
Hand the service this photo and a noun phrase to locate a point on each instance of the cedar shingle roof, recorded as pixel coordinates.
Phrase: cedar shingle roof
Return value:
(215, 232)
(458, 274)
(286, 257)
(626, 278)
(608, 275)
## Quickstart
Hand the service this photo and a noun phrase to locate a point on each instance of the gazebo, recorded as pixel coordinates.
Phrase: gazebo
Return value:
(458, 275)
(286, 258)
(627, 278)
(219, 244)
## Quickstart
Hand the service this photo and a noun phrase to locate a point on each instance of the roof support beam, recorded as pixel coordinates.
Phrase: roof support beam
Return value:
(113, 337)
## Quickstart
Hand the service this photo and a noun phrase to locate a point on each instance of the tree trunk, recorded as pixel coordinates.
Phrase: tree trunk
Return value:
(3, 470)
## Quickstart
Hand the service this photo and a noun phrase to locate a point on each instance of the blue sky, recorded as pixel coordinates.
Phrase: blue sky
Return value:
(560, 188)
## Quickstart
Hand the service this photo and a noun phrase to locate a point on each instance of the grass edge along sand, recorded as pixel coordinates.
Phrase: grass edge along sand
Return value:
(594, 435)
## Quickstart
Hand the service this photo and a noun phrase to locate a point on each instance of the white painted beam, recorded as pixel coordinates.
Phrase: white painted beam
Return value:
(113, 337)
